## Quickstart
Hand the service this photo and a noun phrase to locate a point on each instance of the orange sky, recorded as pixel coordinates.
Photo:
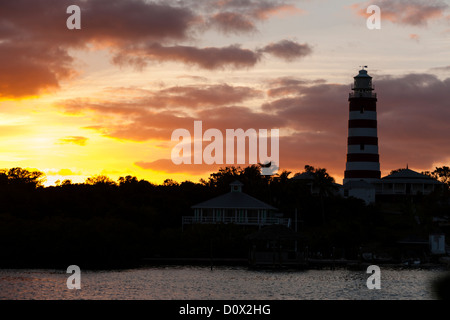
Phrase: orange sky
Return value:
(105, 99)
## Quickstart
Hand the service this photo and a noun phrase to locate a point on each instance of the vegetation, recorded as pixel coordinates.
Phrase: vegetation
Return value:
(440, 173)
(108, 223)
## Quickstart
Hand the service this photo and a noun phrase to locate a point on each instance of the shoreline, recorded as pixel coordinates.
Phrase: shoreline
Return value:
(310, 264)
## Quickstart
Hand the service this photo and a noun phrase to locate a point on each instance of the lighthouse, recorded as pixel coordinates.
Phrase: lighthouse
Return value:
(363, 160)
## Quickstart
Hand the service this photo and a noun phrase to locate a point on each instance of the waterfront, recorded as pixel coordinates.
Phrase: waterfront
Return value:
(221, 283)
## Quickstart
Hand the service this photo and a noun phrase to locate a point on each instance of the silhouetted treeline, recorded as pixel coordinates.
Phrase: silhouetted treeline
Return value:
(106, 223)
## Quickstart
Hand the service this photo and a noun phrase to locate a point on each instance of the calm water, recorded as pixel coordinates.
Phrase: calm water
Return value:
(227, 283)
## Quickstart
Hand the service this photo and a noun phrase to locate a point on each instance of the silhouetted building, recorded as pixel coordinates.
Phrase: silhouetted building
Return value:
(407, 182)
(235, 207)
(307, 178)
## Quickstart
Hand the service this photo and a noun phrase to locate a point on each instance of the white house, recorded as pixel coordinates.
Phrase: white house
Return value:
(407, 182)
(235, 207)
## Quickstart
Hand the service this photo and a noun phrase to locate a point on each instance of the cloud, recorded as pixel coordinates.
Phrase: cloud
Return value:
(193, 77)
(242, 16)
(160, 124)
(232, 22)
(440, 69)
(309, 107)
(288, 50)
(143, 127)
(209, 95)
(260, 9)
(37, 46)
(211, 58)
(31, 68)
(81, 141)
(418, 120)
(35, 43)
(406, 12)
(133, 102)
(154, 114)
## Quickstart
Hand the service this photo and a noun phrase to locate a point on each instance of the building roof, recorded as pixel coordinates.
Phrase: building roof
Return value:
(304, 176)
(234, 200)
(410, 176)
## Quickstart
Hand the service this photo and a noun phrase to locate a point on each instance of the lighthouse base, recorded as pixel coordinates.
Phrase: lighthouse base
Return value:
(360, 189)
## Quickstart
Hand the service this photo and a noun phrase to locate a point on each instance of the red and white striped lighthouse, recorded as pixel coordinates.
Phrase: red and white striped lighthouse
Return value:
(363, 160)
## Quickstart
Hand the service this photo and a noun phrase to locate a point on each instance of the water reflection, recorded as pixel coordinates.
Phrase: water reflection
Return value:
(227, 283)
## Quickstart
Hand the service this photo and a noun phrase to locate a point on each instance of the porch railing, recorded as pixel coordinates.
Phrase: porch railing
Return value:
(236, 220)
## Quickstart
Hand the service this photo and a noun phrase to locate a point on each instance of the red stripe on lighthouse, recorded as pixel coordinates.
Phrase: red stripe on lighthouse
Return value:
(363, 157)
(362, 123)
(363, 140)
(365, 104)
(355, 174)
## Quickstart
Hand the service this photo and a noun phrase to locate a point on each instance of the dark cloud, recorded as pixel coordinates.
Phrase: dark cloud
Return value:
(415, 111)
(35, 42)
(104, 22)
(320, 107)
(30, 68)
(210, 58)
(288, 50)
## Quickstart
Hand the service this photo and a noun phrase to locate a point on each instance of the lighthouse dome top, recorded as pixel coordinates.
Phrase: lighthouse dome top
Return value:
(363, 74)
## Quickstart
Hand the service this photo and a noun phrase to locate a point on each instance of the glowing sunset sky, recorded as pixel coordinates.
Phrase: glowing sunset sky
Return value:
(105, 99)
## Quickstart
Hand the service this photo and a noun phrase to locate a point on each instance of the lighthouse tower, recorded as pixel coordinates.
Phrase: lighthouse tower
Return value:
(363, 161)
